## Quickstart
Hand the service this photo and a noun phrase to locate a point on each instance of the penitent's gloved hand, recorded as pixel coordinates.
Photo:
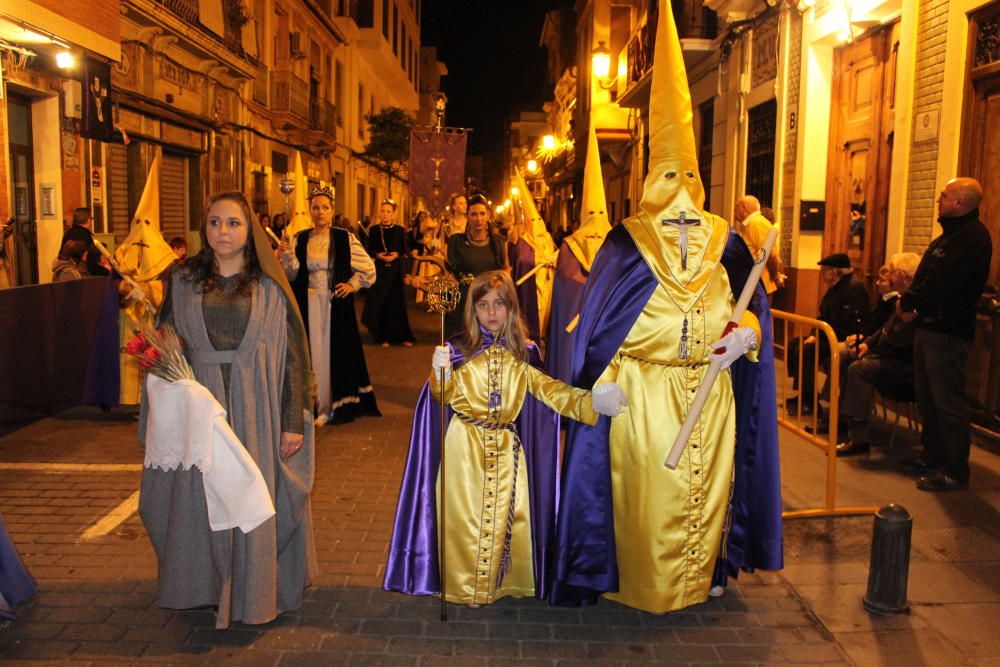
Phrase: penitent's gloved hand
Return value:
(609, 399)
(442, 360)
(734, 345)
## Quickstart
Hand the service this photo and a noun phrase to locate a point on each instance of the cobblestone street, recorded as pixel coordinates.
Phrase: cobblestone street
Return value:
(66, 480)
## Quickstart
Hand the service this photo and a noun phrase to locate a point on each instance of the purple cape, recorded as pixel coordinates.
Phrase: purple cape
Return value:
(567, 298)
(16, 585)
(619, 286)
(412, 565)
(523, 260)
(102, 383)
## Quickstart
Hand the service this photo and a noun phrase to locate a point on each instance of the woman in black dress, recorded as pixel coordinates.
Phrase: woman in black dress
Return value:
(475, 251)
(385, 308)
(326, 267)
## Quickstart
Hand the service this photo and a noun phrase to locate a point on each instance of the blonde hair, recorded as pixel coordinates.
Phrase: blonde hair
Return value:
(513, 329)
(907, 262)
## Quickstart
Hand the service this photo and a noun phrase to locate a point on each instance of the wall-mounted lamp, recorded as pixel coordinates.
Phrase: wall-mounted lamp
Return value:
(548, 142)
(65, 60)
(514, 191)
(532, 166)
(601, 66)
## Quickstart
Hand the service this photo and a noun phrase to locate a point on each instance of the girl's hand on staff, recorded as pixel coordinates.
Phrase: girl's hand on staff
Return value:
(281, 250)
(342, 289)
(291, 443)
(442, 361)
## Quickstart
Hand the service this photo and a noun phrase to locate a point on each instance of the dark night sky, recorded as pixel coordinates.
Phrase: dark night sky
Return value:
(495, 65)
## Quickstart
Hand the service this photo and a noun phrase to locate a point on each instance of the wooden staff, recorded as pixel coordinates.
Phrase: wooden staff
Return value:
(715, 366)
(442, 298)
(551, 261)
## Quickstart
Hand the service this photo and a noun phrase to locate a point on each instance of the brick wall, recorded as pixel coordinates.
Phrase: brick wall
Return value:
(791, 137)
(100, 16)
(921, 193)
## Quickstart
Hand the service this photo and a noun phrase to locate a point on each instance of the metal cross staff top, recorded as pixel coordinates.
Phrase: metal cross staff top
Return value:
(682, 223)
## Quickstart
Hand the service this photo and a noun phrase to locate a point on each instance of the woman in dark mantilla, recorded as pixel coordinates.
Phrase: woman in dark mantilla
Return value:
(326, 268)
(385, 306)
(245, 341)
(477, 250)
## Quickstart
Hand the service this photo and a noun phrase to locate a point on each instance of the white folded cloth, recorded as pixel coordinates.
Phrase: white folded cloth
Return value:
(187, 427)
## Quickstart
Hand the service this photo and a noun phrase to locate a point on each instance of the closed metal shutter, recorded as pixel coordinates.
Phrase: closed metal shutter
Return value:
(173, 197)
(117, 175)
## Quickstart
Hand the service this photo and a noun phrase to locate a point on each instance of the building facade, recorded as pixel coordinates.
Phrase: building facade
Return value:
(226, 93)
(828, 111)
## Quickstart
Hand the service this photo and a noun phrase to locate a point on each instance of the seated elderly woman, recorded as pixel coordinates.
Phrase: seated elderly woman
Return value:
(882, 361)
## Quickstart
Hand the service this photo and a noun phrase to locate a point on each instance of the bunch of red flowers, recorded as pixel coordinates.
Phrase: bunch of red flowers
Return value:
(161, 352)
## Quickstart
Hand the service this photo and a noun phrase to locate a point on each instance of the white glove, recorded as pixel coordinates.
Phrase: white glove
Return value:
(609, 399)
(737, 342)
(442, 361)
(137, 294)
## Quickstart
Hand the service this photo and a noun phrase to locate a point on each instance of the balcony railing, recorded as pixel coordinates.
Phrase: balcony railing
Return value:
(186, 9)
(289, 94)
(694, 21)
(260, 85)
(323, 117)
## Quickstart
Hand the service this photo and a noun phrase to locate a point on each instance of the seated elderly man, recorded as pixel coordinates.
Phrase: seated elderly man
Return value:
(845, 307)
(882, 361)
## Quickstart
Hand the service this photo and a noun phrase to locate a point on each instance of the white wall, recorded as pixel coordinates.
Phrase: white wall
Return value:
(48, 170)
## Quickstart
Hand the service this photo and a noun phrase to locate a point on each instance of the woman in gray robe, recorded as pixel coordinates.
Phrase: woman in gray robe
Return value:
(246, 343)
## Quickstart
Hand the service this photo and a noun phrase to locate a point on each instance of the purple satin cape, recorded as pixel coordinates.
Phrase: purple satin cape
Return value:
(619, 286)
(523, 260)
(102, 384)
(16, 585)
(567, 298)
(412, 566)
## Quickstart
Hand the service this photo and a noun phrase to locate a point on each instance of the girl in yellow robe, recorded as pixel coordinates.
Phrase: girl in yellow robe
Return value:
(490, 519)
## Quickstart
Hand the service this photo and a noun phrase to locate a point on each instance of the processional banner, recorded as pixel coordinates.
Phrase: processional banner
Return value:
(437, 165)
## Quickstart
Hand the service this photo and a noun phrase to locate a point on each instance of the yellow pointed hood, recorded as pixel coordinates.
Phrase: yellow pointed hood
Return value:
(594, 223)
(299, 218)
(673, 181)
(144, 253)
(533, 229)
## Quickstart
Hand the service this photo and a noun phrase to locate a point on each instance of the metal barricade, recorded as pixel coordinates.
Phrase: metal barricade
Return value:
(801, 327)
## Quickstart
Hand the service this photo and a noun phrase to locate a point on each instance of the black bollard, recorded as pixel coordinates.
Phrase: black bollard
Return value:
(890, 564)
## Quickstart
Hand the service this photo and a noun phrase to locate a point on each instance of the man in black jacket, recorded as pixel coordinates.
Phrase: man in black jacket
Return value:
(882, 361)
(82, 230)
(845, 307)
(941, 303)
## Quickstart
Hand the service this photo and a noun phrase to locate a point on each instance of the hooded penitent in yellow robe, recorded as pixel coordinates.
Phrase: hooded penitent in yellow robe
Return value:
(668, 524)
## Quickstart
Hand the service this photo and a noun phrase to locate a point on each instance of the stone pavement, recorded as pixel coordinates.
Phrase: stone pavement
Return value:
(96, 600)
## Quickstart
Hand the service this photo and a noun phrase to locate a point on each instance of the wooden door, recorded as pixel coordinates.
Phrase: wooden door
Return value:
(860, 151)
(980, 159)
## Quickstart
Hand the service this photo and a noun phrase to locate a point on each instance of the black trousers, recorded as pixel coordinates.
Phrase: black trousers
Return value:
(808, 364)
(939, 366)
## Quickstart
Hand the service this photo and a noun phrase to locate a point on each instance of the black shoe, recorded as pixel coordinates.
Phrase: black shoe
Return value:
(940, 482)
(918, 466)
(792, 407)
(851, 448)
(823, 426)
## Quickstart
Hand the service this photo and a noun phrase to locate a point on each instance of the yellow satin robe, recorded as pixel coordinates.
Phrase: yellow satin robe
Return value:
(480, 475)
(669, 523)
